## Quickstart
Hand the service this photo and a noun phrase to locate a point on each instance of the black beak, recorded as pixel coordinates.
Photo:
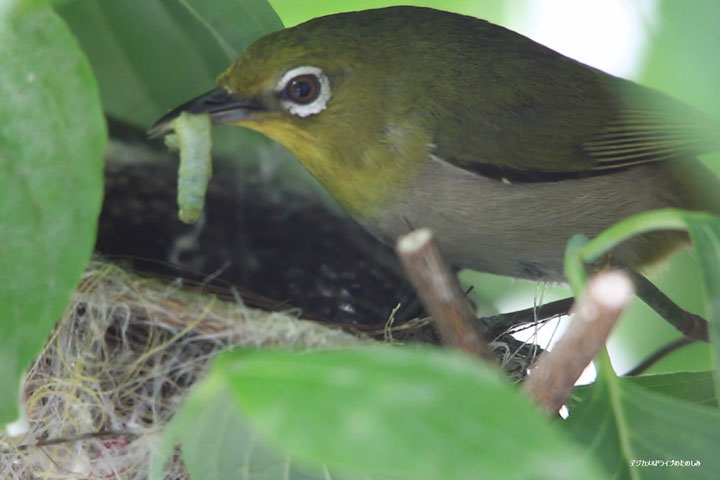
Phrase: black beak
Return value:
(222, 106)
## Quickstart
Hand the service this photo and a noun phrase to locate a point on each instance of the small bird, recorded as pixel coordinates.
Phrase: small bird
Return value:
(415, 117)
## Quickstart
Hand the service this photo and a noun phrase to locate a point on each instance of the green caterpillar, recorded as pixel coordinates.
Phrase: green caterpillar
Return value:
(192, 137)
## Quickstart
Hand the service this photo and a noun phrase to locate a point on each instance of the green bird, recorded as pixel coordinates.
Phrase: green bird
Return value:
(415, 117)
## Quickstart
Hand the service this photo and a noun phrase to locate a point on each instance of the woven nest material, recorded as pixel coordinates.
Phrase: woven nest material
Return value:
(118, 365)
(125, 353)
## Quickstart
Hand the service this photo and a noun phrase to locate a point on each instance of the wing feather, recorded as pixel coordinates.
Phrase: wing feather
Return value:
(641, 136)
(531, 112)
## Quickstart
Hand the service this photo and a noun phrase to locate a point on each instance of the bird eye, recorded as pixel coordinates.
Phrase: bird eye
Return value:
(303, 89)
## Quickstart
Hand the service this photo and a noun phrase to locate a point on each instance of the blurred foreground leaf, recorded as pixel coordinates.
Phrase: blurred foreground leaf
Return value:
(52, 137)
(218, 444)
(704, 230)
(151, 55)
(705, 234)
(394, 413)
(621, 422)
(693, 387)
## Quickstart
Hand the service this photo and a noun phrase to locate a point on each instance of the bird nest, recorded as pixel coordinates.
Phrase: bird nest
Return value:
(119, 363)
(123, 356)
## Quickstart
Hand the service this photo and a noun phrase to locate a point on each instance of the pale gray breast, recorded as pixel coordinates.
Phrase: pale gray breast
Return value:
(521, 230)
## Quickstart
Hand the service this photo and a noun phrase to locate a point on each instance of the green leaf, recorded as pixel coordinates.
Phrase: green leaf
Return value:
(398, 412)
(52, 137)
(574, 269)
(218, 444)
(693, 387)
(151, 55)
(620, 422)
(704, 230)
(705, 234)
(577, 253)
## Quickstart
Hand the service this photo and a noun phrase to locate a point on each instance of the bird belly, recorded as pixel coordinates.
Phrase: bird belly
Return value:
(521, 230)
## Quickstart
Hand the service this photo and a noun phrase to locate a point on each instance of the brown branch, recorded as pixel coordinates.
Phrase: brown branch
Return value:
(658, 355)
(440, 294)
(693, 326)
(552, 379)
(501, 323)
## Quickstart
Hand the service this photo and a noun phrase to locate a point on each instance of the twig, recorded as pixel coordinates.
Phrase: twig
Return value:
(552, 379)
(78, 438)
(453, 317)
(499, 324)
(658, 355)
(693, 326)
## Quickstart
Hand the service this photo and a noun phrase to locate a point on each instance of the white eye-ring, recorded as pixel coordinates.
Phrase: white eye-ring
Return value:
(304, 90)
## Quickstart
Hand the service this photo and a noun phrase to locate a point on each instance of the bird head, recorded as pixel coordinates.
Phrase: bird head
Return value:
(344, 93)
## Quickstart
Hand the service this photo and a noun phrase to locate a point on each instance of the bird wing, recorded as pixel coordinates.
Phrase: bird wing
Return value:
(552, 116)
(646, 135)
